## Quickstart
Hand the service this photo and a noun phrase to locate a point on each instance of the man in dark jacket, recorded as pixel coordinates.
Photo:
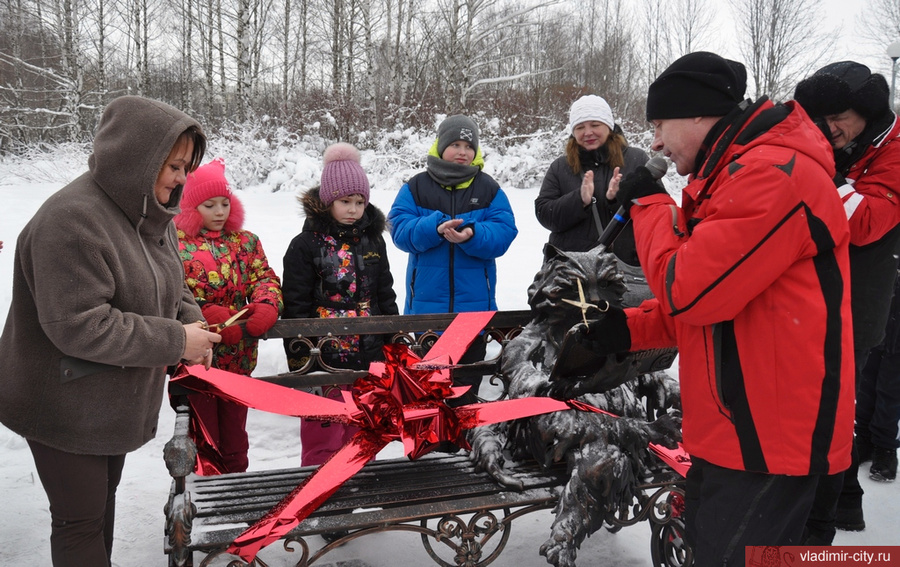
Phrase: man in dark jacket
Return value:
(850, 104)
(750, 278)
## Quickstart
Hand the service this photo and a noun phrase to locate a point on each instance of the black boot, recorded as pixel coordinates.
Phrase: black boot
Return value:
(884, 464)
(849, 518)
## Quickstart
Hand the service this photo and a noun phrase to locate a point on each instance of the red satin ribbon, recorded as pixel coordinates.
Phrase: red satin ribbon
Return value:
(401, 399)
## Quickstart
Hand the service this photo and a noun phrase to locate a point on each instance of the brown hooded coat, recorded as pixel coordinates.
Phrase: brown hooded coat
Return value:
(99, 296)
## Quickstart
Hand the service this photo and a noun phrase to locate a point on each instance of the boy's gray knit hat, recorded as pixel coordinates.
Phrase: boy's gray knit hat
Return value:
(457, 127)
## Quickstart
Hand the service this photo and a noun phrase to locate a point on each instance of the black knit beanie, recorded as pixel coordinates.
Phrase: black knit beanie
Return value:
(457, 127)
(846, 84)
(697, 84)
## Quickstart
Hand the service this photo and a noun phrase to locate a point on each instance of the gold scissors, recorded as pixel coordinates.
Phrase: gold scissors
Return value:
(583, 305)
(230, 321)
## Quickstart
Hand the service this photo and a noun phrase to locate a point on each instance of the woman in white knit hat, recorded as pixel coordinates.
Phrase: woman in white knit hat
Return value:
(573, 203)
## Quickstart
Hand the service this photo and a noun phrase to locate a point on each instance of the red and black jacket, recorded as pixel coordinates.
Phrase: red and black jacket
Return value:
(751, 282)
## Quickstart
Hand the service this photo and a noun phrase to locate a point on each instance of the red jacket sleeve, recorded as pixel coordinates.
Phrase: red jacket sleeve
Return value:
(871, 200)
(650, 326)
(754, 226)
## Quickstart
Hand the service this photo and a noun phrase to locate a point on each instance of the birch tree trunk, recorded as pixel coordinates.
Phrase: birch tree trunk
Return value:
(187, 56)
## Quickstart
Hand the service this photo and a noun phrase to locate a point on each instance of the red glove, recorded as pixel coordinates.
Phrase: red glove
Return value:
(216, 315)
(262, 317)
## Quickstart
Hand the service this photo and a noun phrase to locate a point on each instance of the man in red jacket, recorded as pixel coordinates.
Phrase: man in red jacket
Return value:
(850, 103)
(750, 277)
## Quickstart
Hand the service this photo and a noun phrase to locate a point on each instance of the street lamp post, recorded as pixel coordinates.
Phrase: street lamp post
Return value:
(893, 52)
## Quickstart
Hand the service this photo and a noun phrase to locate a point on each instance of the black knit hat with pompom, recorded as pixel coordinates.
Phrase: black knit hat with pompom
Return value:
(839, 86)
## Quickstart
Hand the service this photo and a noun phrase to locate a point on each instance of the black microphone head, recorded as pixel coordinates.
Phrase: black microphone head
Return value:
(658, 167)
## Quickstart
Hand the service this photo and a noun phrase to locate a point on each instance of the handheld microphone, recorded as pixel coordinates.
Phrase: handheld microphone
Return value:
(658, 167)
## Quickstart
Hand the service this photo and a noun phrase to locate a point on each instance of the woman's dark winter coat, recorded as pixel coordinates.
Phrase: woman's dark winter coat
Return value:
(559, 207)
(337, 270)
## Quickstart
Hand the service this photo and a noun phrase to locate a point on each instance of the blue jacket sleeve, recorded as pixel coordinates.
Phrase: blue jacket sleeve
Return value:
(414, 229)
(495, 229)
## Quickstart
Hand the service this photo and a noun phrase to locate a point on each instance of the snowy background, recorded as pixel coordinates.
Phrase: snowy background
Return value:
(269, 179)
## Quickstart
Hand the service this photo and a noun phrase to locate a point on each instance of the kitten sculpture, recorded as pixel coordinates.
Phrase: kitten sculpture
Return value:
(607, 457)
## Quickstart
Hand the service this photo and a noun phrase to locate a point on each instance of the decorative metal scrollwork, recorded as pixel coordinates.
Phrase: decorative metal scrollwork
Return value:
(664, 509)
(309, 349)
(659, 507)
(471, 543)
(179, 511)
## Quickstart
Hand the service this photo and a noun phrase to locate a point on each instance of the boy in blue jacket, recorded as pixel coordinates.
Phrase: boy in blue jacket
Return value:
(454, 221)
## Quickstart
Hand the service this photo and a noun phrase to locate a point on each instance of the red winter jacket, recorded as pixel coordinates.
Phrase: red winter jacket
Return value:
(751, 282)
(871, 195)
(872, 204)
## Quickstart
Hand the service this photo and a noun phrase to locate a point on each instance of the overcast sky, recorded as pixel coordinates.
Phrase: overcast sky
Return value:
(847, 16)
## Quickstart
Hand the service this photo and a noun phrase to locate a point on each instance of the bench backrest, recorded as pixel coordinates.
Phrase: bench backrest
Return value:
(419, 332)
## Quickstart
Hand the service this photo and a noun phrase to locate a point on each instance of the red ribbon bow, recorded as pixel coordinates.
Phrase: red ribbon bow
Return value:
(401, 399)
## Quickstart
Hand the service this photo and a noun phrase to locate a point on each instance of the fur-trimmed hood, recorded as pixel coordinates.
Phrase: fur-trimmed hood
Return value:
(319, 219)
(190, 222)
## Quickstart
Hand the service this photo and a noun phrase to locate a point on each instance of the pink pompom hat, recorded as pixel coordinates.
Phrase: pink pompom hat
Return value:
(342, 174)
(204, 183)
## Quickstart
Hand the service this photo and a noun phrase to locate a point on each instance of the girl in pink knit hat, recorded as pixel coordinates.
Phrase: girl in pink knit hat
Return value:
(227, 270)
(337, 267)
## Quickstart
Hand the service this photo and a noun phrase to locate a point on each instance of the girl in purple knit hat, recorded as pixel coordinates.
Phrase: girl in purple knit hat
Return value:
(337, 267)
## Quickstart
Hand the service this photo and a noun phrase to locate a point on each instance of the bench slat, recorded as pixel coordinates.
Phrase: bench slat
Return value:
(390, 491)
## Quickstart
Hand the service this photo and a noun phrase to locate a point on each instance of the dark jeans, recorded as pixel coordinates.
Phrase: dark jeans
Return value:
(82, 494)
(727, 510)
(842, 488)
(878, 397)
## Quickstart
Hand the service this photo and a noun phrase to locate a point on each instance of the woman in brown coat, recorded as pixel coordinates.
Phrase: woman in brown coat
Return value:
(99, 310)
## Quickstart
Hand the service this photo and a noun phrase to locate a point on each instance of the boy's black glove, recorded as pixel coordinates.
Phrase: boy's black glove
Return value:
(608, 334)
(639, 183)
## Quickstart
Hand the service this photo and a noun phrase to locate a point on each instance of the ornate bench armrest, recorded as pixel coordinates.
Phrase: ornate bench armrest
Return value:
(180, 453)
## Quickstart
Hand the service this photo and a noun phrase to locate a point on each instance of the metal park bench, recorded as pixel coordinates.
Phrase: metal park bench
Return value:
(464, 517)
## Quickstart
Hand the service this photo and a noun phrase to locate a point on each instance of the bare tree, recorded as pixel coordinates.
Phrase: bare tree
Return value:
(291, 37)
(690, 25)
(464, 48)
(187, 56)
(778, 39)
(658, 54)
(881, 25)
(140, 36)
(242, 38)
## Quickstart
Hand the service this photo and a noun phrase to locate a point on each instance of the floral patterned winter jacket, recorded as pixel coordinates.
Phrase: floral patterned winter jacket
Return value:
(335, 270)
(230, 268)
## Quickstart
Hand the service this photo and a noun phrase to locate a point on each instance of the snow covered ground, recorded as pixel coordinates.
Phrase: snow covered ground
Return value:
(274, 440)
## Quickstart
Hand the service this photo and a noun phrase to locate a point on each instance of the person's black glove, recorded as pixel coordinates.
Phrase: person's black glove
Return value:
(839, 180)
(639, 183)
(607, 334)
